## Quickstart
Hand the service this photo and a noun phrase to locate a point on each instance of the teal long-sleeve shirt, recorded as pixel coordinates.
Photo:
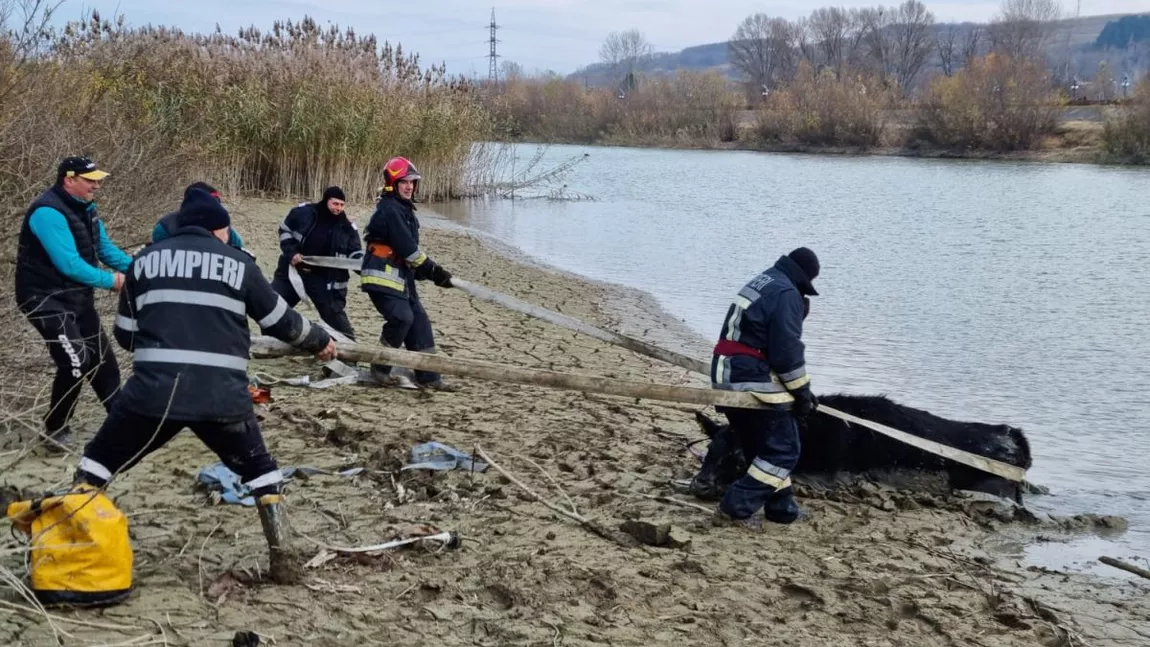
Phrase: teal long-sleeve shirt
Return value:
(159, 232)
(51, 228)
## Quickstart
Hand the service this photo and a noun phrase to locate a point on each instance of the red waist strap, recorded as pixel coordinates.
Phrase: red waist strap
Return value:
(728, 347)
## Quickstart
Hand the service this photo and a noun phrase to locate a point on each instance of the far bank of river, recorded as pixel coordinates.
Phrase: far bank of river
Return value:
(1077, 139)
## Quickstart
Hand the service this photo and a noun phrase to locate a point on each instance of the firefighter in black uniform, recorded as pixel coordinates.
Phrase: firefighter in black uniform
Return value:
(183, 315)
(318, 229)
(760, 350)
(391, 267)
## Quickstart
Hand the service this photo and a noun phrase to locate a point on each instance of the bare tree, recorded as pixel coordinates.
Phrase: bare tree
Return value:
(763, 49)
(957, 46)
(837, 32)
(623, 49)
(947, 44)
(1022, 27)
(971, 44)
(804, 42)
(25, 31)
(913, 35)
(897, 41)
(876, 42)
(511, 71)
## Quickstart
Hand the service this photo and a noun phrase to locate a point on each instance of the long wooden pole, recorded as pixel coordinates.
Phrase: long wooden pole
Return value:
(557, 318)
(268, 347)
(571, 323)
(992, 466)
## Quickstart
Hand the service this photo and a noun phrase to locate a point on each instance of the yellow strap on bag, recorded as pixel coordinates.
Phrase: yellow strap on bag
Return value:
(81, 553)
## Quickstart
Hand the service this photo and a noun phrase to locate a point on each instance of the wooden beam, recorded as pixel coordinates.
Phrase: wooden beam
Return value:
(559, 319)
(589, 384)
(571, 323)
(998, 468)
(268, 347)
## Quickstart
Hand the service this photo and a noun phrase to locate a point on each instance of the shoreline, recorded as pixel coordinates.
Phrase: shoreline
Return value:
(870, 566)
(1091, 155)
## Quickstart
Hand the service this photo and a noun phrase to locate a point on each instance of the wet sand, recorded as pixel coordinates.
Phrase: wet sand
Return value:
(870, 565)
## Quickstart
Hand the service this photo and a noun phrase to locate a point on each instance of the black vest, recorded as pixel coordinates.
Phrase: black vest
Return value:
(39, 285)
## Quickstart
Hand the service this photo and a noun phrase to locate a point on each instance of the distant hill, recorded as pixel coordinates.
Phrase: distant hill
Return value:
(1076, 42)
(1123, 32)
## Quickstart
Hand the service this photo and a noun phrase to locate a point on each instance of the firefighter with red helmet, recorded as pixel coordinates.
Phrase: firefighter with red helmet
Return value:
(392, 265)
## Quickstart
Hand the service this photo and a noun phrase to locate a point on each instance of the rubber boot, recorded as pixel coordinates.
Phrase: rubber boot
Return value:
(59, 441)
(392, 376)
(284, 568)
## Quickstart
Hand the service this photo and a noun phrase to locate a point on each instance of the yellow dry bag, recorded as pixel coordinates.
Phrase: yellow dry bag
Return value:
(81, 554)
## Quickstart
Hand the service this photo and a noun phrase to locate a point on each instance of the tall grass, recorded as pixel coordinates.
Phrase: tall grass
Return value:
(288, 111)
(282, 113)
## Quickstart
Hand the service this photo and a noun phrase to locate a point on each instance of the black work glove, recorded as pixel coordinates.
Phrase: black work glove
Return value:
(441, 277)
(425, 270)
(805, 402)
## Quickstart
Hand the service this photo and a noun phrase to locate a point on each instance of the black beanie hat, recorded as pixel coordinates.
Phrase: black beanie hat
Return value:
(333, 192)
(808, 263)
(201, 209)
(203, 186)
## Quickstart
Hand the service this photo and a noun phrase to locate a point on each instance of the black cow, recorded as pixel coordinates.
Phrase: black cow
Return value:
(832, 446)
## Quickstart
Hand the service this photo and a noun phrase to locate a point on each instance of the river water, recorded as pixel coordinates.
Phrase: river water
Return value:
(998, 292)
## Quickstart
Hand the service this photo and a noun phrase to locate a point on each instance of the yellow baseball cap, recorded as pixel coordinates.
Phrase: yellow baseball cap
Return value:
(80, 167)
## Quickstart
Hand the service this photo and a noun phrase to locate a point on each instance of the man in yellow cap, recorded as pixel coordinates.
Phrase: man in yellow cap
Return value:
(62, 242)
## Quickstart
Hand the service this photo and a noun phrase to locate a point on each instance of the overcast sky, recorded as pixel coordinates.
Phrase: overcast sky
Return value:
(561, 35)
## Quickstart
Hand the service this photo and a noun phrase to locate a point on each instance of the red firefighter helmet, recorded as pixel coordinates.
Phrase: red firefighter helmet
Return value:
(399, 168)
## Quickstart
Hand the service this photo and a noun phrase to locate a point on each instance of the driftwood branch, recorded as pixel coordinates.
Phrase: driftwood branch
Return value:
(683, 504)
(1129, 568)
(574, 516)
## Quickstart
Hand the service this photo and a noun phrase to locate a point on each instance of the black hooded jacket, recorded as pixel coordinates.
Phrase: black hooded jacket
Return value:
(310, 229)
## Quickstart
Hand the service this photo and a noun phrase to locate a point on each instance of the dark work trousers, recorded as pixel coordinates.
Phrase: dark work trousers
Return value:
(127, 437)
(81, 350)
(405, 324)
(329, 303)
(772, 438)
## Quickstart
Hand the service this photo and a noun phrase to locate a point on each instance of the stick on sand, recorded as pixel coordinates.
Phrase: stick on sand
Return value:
(1129, 568)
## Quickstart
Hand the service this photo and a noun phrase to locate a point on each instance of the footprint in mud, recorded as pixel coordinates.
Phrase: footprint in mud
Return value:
(499, 596)
(805, 596)
(906, 609)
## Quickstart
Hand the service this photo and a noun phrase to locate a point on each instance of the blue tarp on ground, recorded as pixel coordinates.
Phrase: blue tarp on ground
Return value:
(437, 456)
(218, 478)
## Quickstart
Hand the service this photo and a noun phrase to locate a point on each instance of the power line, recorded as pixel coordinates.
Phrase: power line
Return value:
(492, 70)
(585, 38)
